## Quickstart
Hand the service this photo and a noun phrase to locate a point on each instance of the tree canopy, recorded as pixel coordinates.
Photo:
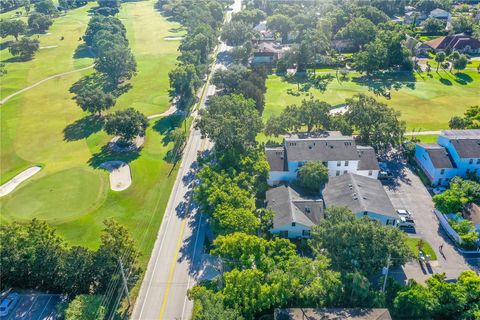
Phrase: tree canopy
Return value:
(12, 27)
(377, 124)
(358, 245)
(127, 124)
(39, 22)
(231, 122)
(313, 175)
(25, 48)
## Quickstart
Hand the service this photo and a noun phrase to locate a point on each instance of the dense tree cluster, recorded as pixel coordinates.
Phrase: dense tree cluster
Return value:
(470, 120)
(241, 80)
(377, 124)
(33, 255)
(439, 299)
(202, 19)
(39, 22)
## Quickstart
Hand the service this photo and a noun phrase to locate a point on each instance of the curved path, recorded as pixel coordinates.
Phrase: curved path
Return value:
(171, 110)
(42, 81)
(420, 133)
(11, 184)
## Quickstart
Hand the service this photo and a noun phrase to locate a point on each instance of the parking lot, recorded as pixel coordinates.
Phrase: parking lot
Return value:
(35, 306)
(407, 191)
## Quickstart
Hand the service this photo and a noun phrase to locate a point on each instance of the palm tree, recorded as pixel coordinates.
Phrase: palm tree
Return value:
(439, 58)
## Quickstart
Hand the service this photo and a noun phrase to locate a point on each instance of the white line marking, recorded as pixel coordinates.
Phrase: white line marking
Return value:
(193, 263)
(46, 304)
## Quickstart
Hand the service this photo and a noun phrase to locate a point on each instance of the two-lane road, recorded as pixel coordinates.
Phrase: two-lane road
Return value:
(174, 263)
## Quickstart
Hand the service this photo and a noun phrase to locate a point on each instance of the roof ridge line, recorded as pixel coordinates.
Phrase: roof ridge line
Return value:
(357, 191)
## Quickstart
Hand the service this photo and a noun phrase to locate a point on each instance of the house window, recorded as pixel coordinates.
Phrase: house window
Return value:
(339, 163)
(370, 172)
(346, 163)
(388, 222)
(365, 213)
(471, 161)
(306, 233)
(337, 173)
(345, 171)
(284, 234)
(307, 210)
(442, 171)
(293, 224)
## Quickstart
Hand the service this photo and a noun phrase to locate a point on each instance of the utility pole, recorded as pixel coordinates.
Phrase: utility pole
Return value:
(385, 271)
(125, 287)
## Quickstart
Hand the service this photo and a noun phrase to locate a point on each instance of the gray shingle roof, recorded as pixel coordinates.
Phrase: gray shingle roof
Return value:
(359, 194)
(440, 157)
(368, 158)
(289, 206)
(328, 146)
(467, 148)
(276, 158)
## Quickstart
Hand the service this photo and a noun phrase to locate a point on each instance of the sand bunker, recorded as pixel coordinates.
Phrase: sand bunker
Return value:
(120, 176)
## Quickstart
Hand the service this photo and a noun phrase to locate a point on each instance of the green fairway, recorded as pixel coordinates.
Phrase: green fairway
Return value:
(426, 103)
(44, 126)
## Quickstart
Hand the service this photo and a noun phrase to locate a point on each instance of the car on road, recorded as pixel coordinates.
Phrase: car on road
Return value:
(8, 303)
(405, 222)
(438, 190)
(404, 213)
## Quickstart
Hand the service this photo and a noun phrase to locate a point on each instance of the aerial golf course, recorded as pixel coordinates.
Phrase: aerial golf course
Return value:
(43, 126)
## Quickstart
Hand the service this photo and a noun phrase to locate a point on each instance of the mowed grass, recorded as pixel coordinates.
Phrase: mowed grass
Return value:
(426, 247)
(146, 31)
(71, 192)
(426, 103)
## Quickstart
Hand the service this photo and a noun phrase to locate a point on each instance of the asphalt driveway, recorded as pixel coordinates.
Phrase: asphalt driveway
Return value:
(408, 192)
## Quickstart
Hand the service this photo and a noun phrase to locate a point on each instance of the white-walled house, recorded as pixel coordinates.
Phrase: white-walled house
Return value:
(362, 195)
(456, 153)
(294, 214)
(338, 153)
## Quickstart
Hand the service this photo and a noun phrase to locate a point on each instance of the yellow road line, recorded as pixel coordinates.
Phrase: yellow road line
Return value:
(172, 269)
(177, 249)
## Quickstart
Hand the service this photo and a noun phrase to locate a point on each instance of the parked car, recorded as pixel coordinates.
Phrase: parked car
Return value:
(383, 166)
(405, 222)
(8, 303)
(385, 175)
(404, 213)
(438, 190)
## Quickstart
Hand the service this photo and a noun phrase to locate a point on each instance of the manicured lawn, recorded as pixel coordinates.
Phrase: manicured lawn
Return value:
(426, 102)
(45, 126)
(427, 138)
(426, 247)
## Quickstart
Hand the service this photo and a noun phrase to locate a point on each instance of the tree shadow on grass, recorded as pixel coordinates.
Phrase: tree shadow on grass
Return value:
(83, 51)
(463, 78)
(107, 154)
(83, 128)
(446, 81)
(5, 45)
(166, 125)
(98, 80)
(382, 82)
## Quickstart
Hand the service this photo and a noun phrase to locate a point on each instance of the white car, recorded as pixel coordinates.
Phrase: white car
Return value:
(404, 213)
(8, 303)
(438, 190)
(405, 222)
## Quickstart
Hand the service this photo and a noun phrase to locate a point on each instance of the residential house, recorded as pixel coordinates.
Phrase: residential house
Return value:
(459, 42)
(332, 314)
(362, 195)
(261, 33)
(440, 14)
(416, 47)
(414, 17)
(267, 53)
(456, 153)
(339, 154)
(343, 45)
(294, 214)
